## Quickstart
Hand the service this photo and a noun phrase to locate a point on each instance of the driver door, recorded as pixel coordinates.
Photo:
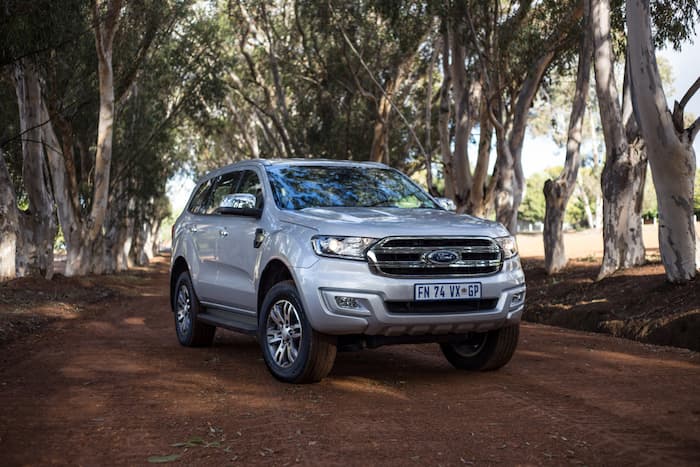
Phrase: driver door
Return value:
(236, 253)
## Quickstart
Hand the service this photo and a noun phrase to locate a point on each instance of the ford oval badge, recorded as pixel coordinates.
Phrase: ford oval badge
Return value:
(442, 256)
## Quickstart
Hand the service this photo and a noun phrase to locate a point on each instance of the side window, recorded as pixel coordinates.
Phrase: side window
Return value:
(196, 205)
(225, 185)
(251, 185)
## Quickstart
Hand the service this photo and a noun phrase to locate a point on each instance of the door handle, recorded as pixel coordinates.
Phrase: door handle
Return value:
(192, 228)
(223, 233)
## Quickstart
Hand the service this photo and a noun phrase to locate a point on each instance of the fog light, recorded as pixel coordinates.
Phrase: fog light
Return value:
(517, 298)
(347, 302)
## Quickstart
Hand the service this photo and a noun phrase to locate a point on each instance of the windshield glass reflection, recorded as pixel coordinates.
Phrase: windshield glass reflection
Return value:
(300, 187)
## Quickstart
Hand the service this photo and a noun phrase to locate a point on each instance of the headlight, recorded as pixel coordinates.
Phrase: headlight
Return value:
(508, 245)
(342, 247)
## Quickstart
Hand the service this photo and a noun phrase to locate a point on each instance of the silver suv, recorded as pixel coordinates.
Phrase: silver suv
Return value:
(314, 256)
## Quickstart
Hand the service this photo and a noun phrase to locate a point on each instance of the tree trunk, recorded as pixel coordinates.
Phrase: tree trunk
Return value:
(622, 181)
(444, 120)
(379, 151)
(511, 180)
(66, 200)
(597, 221)
(557, 192)
(34, 170)
(669, 145)
(463, 122)
(581, 193)
(428, 121)
(105, 28)
(9, 223)
(480, 194)
(505, 169)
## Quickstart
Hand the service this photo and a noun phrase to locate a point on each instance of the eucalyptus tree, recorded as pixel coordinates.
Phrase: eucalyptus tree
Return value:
(558, 191)
(89, 59)
(624, 172)
(8, 222)
(513, 56)
(669, 143)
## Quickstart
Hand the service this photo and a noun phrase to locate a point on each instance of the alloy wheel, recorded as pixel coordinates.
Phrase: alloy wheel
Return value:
(284, 333)
(184, 310)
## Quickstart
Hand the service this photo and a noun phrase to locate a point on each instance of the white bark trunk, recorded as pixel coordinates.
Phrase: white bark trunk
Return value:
(34, 170)
(481, 192)
(557, 192)
(9, 223)
(68, 216)
(105, 28)
(622, 181)
(669, 147)
(597, 221)
(581, 194)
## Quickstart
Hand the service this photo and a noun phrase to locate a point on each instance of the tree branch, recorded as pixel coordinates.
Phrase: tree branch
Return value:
(381, 88)
(679, 107)
(690, 92)
(693, 130)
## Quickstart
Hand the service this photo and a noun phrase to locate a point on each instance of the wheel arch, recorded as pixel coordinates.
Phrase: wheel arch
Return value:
(276, 271)
(179, 266)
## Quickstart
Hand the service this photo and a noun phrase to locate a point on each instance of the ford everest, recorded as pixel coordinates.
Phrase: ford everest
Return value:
(314, 256)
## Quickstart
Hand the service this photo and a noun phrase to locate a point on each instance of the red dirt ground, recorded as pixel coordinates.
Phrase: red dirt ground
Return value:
(92, 374)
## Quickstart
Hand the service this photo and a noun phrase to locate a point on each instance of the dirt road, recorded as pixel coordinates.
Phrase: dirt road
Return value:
(114, 387)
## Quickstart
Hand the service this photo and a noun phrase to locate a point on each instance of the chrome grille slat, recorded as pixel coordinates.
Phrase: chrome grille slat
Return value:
(458, 264)
(408, 257)
(405, 250)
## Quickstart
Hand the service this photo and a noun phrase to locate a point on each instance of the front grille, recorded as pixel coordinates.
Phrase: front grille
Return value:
(441, 306)
(408, 257)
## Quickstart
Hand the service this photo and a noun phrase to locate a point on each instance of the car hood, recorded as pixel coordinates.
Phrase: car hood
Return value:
(385, 222)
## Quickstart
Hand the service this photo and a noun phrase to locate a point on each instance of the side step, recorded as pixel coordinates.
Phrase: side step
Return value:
(228, 320)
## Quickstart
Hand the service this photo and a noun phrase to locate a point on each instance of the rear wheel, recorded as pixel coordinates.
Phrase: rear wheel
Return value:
(292, 350)
(190, 332)
(483, 351)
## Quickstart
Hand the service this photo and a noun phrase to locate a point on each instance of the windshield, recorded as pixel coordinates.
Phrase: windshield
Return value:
(304, 186)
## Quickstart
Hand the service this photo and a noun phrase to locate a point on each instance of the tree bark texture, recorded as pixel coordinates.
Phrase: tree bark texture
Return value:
(9, 223)
(35, 177)
(66, 200)
(557, 192)
(379, 151)
(107, 14)
(444, 115)
(669, 148)
(622, 181)
(481, 192)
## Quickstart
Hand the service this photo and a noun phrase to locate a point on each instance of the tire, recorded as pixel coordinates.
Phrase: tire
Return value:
(292, 350)
(483, 351)
(186, 307)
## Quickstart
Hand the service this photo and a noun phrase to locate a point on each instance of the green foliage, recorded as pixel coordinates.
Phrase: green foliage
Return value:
(532, 208)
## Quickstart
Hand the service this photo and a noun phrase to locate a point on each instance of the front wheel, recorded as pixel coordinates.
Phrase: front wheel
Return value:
(190, 332)
(292, 350)
(483, 351)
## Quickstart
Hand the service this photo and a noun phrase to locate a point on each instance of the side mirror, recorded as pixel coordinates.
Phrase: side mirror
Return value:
(239, 204)
(447, 204)
(238, 201)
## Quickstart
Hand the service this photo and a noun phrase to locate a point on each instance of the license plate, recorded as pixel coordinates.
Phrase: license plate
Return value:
(462, 291)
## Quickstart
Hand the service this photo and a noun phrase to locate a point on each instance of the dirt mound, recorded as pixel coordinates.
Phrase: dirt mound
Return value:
(636, 304)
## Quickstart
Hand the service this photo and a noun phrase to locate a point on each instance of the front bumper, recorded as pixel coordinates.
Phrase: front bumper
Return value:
(329, 278)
